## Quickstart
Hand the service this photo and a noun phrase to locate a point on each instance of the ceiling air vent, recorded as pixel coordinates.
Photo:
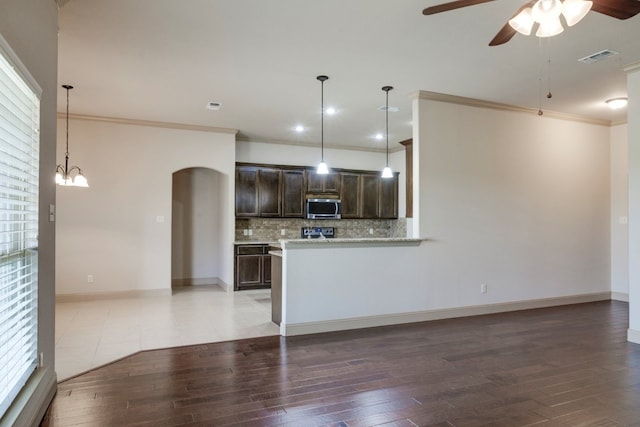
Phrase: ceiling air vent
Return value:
(211, 105)
(598, 56)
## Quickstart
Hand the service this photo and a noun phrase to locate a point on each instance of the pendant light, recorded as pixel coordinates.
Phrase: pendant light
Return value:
(386, 172)
(322, 167)
(63, 172)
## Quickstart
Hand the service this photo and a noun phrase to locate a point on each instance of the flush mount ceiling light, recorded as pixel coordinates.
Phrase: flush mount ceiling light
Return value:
(322, 167)
(547, 13)
(386, 172)
(63, 172)
(617, 103)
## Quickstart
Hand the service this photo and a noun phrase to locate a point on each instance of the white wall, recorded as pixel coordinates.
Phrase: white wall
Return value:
(110, 230)
(619, 213)
(507, 199)
(633, 88)
(286, 154)
(30, 28)
(196, 226)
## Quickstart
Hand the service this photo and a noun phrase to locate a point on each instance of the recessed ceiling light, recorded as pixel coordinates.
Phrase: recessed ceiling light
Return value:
(379, 136)
(330, 111)
(617, 103)
(212, 105)
(299, 128)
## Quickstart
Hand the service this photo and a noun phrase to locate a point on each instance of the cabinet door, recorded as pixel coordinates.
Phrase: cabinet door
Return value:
(248, 271)
(315, 182)
(350, 194)
(247, 191)
(389, 197)
(266, 270)
(329, 183)
(293, 193)
(269, 181)
(370, 196)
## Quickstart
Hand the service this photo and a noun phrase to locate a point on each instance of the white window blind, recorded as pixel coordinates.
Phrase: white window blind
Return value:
(19, 161)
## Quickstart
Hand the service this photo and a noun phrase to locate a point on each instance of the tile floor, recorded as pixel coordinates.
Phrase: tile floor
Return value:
(92, 333)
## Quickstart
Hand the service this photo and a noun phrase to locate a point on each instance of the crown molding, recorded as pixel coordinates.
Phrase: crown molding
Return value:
(317, 145)
(632, 67)
(472, 102)
(150, 123)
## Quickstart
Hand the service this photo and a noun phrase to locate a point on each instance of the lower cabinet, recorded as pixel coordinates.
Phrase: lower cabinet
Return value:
(252, 267)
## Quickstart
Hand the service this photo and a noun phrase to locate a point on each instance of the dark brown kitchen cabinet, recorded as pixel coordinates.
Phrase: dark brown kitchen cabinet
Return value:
(388, 208)
(269, 187)
(252, 267)
(350, 192)
(247, 191)
(329, 183)
(293, 190)
(370, 196)
(379, 196)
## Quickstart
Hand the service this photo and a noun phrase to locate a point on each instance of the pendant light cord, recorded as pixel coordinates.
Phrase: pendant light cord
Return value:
(322, 120)
(67, 152)
(387, 124)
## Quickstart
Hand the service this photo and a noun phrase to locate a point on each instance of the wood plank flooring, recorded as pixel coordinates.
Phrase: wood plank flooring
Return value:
(561, 366)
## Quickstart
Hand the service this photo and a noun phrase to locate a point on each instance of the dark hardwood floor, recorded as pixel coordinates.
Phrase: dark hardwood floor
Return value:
(562, 366)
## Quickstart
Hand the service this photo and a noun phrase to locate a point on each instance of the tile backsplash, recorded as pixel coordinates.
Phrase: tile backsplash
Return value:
(271, 229)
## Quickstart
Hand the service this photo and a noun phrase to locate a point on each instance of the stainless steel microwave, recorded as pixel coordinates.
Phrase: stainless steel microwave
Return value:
(323, 208)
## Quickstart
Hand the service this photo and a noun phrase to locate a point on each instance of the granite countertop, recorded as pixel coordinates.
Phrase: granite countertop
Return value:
(360, 241)
(257, 242)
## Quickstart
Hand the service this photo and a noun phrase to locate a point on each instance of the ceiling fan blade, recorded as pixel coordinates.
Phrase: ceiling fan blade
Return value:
(507, 32)
(457, 4)
(621, 9)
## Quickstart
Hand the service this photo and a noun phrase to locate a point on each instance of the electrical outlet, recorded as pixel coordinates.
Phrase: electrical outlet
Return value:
(90, 278)
(483, 288)
(371, 231)
(245, 232)
(283, 232)
(250, 232)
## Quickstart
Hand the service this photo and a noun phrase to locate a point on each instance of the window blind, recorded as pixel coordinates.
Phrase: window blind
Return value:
(19, 163)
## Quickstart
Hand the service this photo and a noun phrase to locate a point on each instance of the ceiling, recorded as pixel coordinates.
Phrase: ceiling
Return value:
(164, 60)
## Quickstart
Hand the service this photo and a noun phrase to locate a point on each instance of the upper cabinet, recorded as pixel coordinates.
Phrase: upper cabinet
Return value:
(293, 190)
(269, 191)
(329, 183)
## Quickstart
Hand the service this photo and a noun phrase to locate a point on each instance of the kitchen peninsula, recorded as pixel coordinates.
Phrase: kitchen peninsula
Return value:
(335, 284)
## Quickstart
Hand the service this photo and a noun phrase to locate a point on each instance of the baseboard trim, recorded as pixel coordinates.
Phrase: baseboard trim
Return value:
(633, 336)
(225, 286)
(620, 296)
(94, 296)
(194, 281)
(32, 402)
(446, 313)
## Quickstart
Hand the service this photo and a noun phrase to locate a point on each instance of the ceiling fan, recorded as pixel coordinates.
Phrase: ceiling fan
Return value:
(546, 13)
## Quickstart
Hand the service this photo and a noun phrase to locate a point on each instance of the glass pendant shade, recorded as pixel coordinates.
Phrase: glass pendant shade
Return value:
(523, 22)
(387, 173)
(322, 169)
(545, 11)
(59, 179)
(574, 10)
(550, 28)
(80, 181)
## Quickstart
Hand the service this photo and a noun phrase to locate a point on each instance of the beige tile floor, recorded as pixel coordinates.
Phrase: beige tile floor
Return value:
(92, 333)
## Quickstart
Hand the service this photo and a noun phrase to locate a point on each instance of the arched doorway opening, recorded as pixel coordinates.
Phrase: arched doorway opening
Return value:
(196, 227)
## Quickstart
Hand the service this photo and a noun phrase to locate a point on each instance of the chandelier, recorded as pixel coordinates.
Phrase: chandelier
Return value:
(63, 172)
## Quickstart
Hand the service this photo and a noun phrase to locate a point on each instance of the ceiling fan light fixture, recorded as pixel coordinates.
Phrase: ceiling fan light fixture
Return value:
(617, 103)
(523, 22)
(546, 11)
(550, 28)
(574, 10)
